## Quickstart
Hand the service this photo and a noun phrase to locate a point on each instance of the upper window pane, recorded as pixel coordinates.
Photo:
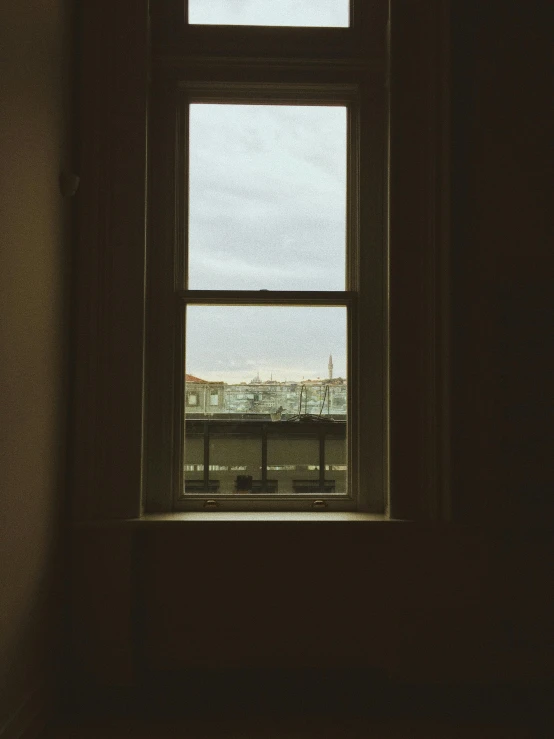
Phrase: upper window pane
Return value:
(267, 197)
(322, 13)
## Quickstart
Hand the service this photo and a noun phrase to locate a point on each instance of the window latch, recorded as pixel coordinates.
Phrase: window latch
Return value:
(211, 504)
(319, 504)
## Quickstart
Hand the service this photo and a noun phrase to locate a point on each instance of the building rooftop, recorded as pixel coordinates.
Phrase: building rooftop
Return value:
(192, 378)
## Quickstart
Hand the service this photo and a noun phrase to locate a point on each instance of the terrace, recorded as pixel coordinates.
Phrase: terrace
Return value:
(255, 455)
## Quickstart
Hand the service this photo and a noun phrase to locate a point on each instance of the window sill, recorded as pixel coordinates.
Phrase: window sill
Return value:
(244, 516)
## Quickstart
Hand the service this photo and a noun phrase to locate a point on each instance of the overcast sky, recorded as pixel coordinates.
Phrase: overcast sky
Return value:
(233, 344)
(270, 12)
(266, 211)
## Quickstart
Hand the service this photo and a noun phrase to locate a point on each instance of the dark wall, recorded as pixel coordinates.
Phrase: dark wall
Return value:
(502, 272)
(417, 603)
(34, 134)
(467, 601)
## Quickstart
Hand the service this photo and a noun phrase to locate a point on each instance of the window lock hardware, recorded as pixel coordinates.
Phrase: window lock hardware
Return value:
(211, 504)
(319, 504)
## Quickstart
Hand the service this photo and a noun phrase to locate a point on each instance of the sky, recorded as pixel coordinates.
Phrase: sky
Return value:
(267, 210)
(233, 343)
(270, 12)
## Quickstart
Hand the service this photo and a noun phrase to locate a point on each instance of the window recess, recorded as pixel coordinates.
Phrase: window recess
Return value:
(265, 142)
(265, 290)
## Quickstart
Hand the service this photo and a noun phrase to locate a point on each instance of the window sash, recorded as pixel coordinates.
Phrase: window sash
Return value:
(268, 501)
(279, 93)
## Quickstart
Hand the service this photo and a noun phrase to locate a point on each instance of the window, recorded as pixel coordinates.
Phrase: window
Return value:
(267, 186)
(262, 261)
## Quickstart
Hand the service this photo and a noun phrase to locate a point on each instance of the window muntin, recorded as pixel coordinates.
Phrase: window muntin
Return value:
(267, 197)
(321, 13)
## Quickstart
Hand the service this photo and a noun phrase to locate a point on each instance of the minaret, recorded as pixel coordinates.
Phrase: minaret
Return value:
(330, 366)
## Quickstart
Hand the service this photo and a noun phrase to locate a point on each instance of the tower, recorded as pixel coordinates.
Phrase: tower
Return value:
(330, 366)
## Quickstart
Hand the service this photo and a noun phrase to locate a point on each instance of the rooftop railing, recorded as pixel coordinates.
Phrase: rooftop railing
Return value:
(305, 455)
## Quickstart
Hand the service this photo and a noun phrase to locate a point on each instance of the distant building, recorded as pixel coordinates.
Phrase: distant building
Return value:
(280, 399)
(316, 397)
(202, 396)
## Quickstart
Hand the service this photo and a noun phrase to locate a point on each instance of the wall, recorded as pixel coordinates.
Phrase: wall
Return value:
(415, 602)
(34, 104)
(502, 163)
(421, 602)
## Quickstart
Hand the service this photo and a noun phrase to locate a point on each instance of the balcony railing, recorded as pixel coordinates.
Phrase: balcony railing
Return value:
(260, 456)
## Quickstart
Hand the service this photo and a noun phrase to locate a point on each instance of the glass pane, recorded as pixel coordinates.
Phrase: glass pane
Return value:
(265, 400)
(232, 456)
(331, 13)
(267, 197)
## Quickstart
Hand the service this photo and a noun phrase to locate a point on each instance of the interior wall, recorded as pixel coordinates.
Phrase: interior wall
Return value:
(424, 603)
(416, 603)
(34, 217)
(502, 273)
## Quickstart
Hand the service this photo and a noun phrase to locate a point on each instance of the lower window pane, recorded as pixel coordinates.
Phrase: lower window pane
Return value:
(265, 401)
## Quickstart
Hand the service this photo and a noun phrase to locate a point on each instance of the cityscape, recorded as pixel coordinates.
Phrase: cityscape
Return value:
(266, 436)
(274, 398)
